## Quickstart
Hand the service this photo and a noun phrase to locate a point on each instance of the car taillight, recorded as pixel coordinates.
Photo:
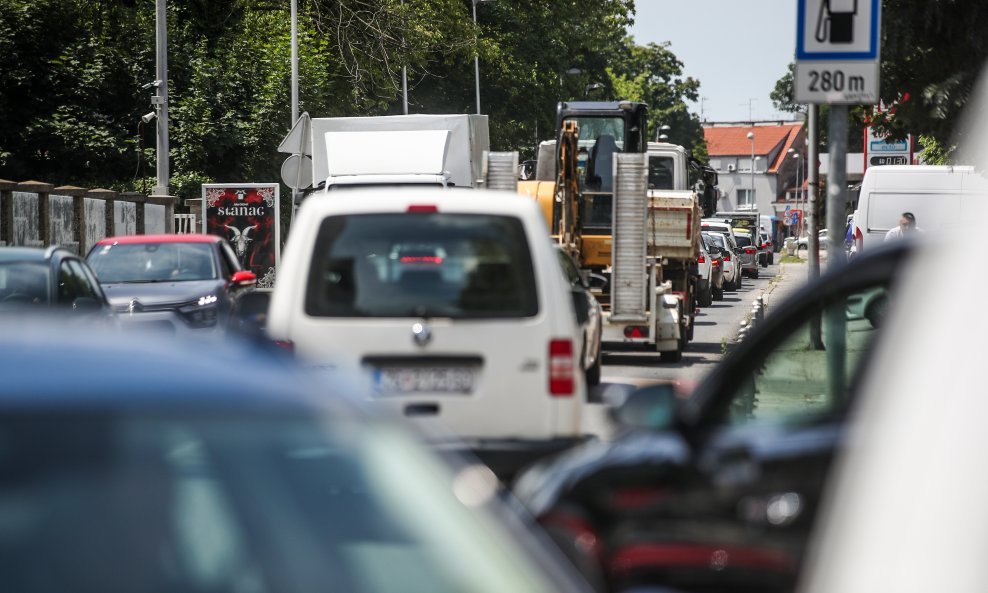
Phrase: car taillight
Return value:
(715, 263)
(727, 257)
(561, 368)
(422, 208)
(749, 250)
(701, 260)
(286, 345)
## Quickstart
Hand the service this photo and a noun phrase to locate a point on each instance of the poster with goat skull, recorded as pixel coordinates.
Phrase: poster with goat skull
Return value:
(247, 215)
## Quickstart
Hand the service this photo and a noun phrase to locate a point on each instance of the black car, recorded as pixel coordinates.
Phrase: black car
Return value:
(52, 279)
(172, 282)
(718, 491)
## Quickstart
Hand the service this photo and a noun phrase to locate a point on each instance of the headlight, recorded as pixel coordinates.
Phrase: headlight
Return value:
(201, 313)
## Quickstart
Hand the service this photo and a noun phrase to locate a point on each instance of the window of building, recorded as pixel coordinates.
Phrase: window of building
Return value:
(746, 199)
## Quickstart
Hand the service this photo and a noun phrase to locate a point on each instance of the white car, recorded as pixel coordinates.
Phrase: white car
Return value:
(729, 262)
(589, 316)
(451, 302)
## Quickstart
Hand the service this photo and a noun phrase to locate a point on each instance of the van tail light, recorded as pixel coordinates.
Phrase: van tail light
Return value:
(701, 259)
(858, 239)
(561, 368)
(422, 208)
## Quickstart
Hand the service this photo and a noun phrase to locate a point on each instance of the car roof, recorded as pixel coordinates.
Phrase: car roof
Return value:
(137, 370)
(399, 199)
(23, 254)
(173, 238)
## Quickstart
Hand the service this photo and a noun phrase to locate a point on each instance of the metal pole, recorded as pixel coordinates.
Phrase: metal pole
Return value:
(836, 315)
(752, 196)
(813, 158)
(294, 61)
(161, 97)
(476, 58)
(404, 69)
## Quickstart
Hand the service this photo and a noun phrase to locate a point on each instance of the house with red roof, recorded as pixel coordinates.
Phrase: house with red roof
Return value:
(756, 171)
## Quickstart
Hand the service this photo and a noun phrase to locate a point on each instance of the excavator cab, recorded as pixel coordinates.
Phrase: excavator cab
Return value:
(605, 129)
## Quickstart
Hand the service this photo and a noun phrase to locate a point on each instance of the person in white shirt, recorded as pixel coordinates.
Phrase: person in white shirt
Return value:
(907, 226)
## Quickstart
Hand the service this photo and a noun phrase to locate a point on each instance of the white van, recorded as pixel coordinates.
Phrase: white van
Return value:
(451, 302)
(939, 196)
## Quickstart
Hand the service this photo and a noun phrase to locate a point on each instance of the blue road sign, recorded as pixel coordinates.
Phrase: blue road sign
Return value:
(844, 30)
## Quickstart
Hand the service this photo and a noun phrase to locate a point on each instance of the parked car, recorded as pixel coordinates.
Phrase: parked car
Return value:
(53, 279)
(729, 261)
(749, 253)
(716, 268)
(483, 342)
(588, 316)
(766, 249)
(704, 278)
(150, 465)
(175, 283)
(804, 241)
(719, 491)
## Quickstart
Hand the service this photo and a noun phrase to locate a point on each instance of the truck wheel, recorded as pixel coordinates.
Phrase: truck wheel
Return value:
(593, 373)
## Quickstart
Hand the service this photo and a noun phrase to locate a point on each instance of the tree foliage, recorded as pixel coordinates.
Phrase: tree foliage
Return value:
(72, 70)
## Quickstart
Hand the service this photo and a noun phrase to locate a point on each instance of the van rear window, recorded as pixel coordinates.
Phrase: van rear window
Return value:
(421, 265)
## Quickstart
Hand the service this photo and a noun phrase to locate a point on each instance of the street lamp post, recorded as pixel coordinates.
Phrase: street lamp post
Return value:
(751, 136)
(799, 189)
(476, 55)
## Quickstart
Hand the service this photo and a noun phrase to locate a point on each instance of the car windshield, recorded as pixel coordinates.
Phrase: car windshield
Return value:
(24, 283)
(421, 265)
(126, 502)
(719, 240)
(153, 262)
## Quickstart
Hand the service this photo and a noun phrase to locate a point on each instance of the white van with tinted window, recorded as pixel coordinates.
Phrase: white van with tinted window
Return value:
(940, 197)
(451, 302)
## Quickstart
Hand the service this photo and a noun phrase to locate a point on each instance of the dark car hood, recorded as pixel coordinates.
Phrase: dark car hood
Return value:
(540, 487)
(158, 294)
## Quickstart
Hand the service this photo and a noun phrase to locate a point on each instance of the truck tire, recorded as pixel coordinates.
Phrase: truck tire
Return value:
(593, 373)
(672, 355)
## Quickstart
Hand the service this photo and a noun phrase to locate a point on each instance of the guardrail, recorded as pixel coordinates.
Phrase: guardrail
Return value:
(34, 213)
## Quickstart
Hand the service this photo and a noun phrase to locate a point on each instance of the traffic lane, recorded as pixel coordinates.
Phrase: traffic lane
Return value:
(716, 329)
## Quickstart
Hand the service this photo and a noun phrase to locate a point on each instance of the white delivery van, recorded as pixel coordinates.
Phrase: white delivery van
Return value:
(450, 302)
(940, 197)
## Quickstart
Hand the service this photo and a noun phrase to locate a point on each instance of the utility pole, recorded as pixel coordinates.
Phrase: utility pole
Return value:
(476, 59)
(294, 63)
(160, 99)
(404, 69)
(813, 190)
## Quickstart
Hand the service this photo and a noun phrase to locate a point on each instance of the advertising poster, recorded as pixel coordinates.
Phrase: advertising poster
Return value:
(247, 215)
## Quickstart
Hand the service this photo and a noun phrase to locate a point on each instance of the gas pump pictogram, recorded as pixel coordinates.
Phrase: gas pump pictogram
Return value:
(836, 21)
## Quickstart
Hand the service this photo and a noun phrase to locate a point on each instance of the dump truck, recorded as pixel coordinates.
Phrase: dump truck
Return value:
(625, 234)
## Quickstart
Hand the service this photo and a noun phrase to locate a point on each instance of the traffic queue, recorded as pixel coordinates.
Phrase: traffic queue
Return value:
(404, 407)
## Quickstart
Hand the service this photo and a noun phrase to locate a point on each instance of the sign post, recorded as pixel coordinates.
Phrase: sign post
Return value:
(837, 63)
(837, 50)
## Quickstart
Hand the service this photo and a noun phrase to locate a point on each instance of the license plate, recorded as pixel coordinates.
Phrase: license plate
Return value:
(392, 381)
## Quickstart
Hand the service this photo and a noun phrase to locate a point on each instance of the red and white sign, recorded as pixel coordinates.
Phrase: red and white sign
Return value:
(248, 216)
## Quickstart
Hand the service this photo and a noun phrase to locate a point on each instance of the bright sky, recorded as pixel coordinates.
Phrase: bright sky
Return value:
(736, 49)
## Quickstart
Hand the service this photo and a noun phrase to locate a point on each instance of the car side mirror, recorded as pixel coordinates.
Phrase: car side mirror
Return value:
(244, 278)
(653, 407)
(585, 278)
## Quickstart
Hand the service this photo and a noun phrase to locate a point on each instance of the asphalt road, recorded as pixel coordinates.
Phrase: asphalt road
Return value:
(716, 329)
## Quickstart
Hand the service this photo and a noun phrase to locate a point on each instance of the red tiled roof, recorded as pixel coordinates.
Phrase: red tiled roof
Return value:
(733, 141)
